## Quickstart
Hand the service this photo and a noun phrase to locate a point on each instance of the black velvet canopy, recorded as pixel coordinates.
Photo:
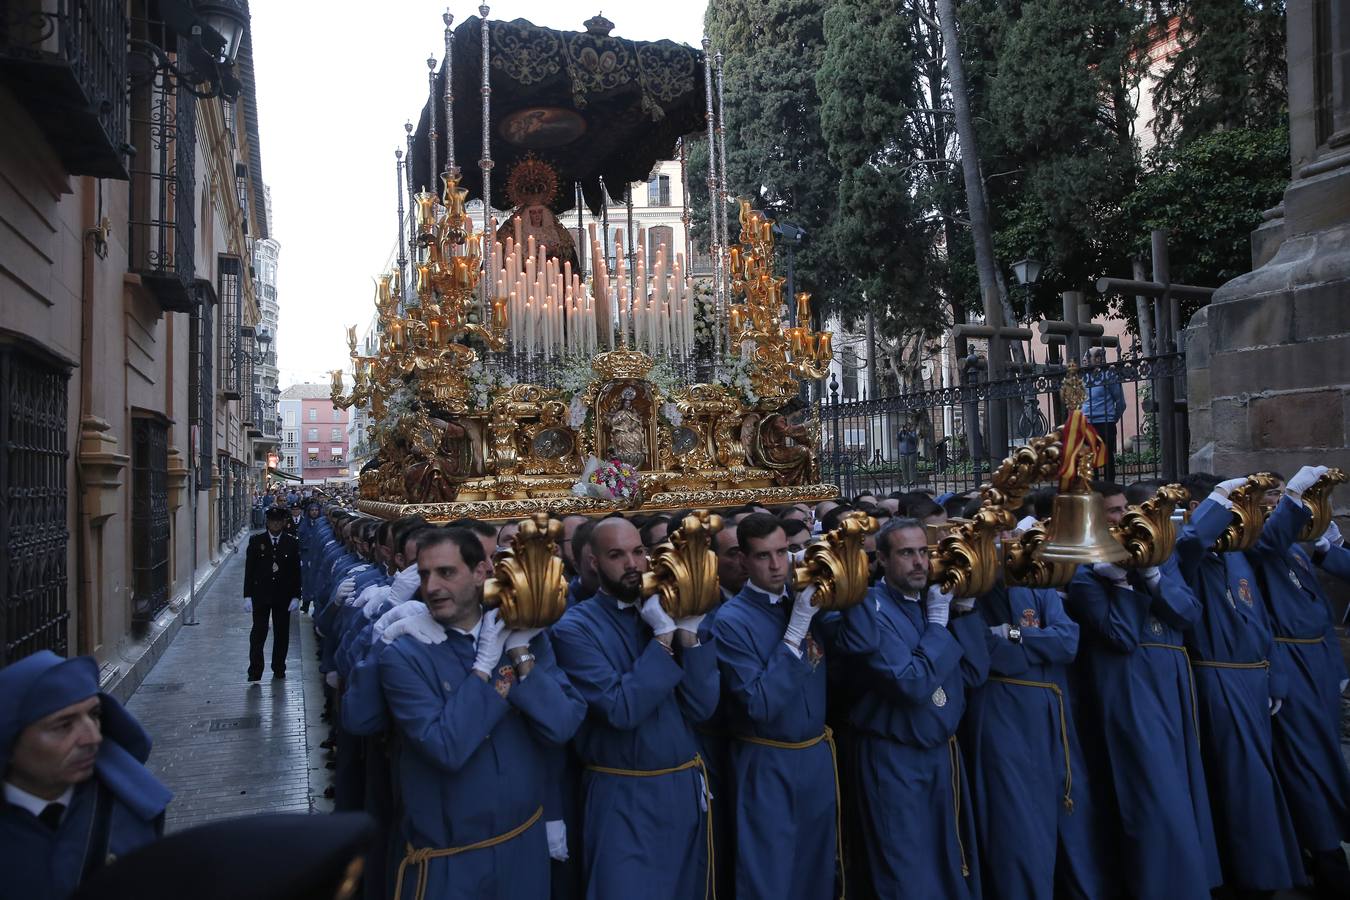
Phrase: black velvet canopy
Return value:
(591, 105)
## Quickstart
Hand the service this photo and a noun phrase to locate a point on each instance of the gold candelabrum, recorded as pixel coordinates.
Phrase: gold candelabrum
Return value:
(422, 343)
(779, 355)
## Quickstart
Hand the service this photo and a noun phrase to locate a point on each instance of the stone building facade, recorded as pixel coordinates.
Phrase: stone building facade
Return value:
(127, 308)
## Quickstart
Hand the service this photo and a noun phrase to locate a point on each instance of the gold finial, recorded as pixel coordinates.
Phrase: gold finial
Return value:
(1071, 391)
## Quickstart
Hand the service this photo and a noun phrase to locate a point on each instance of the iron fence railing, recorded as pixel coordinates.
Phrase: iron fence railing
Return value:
(939, 439)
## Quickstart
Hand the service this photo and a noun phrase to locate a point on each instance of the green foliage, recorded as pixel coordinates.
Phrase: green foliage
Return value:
(1209, 193)
(881, 233)
(1229, 69)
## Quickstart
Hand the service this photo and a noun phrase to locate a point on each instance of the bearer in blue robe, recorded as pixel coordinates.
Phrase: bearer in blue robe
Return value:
(76, 791)
(914, 662)
(474, 714)
(647, 682)
(1307, 730)
(1231, 648)
(1331, 554)
(1142, 735)
(784, 805)
(1034, 817)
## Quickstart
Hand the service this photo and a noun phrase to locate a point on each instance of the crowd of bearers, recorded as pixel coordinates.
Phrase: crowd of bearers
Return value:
(1164, 732)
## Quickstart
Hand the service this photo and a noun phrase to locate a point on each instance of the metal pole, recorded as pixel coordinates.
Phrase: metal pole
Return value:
(450, 167)
(431, 111)
(714, 230)
(632, 268)
(1163, 387)
(722, 157)
(685, 217)
(581, 233)
(408, 177)
(486, 162)
(402, 250)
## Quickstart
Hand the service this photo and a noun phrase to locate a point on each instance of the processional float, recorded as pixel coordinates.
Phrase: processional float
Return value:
(510, 380)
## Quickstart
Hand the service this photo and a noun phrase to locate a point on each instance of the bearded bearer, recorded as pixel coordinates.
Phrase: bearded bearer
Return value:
(1307, 735)
(647, 681)
(915, 653)
(475, 714)
(771, 656)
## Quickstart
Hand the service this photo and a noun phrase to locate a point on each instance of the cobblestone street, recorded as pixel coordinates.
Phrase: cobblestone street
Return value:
(227, 747)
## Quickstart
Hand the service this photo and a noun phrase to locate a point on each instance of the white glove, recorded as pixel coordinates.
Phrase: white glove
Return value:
(803, 611)
(1001, 630)
(405, 585)
(1111, 572)
(1026, 524)
(656, 617)
(521, 637)
(939, 607)
(1221, 491)
(1304, 478)
(346, 587)
(1153, 577)
(1331, 536)
(372, 593)
(423, 628)
(331, 680)
(248, 604)
(556, 831)
(491, 639)
(1275, 705)
(416, 608)
(295, 604)
(689, 623)
(964, 605)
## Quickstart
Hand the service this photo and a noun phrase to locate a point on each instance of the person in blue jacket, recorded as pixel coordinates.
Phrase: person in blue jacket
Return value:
(784, 806)
(1330, 553)
(647, 681)
(1035, 824)
(1140, 729)
(915, 654)
(76, 790)
(473, 714)
(1104, 405)
(1307, 731)
(1239, 686)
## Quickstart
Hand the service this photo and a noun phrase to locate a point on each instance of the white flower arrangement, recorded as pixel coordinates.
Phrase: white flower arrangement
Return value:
(705, 313)
(484, 381)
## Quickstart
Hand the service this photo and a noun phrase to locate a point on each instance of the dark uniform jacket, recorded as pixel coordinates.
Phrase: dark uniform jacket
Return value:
(272, 574)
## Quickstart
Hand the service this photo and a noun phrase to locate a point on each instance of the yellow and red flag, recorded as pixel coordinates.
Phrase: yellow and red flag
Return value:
(1079, 433)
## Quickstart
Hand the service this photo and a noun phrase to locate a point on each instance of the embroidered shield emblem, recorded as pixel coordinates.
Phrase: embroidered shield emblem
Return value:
(1245, 591)
(939, 697)
(812, 652)
(506, 676)
(1030, 619)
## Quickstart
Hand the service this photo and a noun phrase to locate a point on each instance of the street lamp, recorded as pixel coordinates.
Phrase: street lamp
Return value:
(790, 237)
(229, 19)
(263, 338)
(1027, 272)
(203, 41)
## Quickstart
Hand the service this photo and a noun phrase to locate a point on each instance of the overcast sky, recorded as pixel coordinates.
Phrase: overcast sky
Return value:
(336, 81)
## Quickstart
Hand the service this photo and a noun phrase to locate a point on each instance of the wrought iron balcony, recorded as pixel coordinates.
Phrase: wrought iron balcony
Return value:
(66, 61)
(163, 211)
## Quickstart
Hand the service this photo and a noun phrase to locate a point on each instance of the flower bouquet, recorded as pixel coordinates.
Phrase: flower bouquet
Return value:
(613, 480)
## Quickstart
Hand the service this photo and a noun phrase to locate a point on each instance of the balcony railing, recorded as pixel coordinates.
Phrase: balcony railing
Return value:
(163, 189)
(66, 61)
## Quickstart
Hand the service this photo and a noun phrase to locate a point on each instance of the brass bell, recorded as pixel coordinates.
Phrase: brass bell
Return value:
(1079, 532)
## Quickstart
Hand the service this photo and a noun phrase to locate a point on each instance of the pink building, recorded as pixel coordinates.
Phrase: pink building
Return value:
(320, 444)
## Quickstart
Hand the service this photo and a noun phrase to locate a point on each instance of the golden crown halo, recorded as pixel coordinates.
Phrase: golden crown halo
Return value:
(532, 182)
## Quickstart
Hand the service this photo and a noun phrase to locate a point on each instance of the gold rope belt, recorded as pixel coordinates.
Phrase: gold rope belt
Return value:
(710, 882)
(1063, 728)
(1212, 664)
(1284, 640)
(1190, 673)
(954, 753)
(828, 737)
(421, 857)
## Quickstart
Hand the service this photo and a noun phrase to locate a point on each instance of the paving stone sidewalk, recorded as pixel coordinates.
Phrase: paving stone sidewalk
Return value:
(225, 746)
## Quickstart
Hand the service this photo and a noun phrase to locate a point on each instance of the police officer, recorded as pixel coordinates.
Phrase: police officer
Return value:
(271, 591)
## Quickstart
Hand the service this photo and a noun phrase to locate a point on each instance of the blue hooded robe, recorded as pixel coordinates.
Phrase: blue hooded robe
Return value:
(111, 814)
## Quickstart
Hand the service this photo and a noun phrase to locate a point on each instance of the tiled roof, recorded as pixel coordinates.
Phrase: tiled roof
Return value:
(307, 391)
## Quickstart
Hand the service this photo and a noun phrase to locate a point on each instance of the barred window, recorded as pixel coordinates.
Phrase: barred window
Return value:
(229, 290)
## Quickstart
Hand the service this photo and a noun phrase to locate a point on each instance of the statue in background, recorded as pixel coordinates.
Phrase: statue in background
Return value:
(627, 432)
(531, 188)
